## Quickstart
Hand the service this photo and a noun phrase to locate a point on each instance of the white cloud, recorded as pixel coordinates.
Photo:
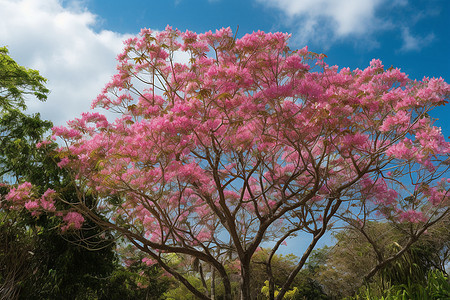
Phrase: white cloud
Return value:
(414, 43)
(325, 21)
(60, 42)
(345, 17)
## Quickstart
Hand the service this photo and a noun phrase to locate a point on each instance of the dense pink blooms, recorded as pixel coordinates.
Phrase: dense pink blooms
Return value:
(217, 137)
(31, 205)
(438, 195)
(42, 144)
(64, 161)
(47, 201)
(412, 216)
(20, 193)
(73, 220)
(148, 261)
(401, 120)
(379, 192)
(248, 124)
(23, 196)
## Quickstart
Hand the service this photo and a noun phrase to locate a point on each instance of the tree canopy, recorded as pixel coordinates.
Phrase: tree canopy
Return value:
(342, 267)
(36, 260)
(221, 144)
(16, 82)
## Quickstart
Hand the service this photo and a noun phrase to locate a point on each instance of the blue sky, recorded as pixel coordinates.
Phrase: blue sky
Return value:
(74, 43)
(413, 35)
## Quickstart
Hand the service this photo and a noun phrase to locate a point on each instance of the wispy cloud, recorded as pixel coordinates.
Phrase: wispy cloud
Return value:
(325, 22)
(60, 42)
(322, 20)
(414, 42)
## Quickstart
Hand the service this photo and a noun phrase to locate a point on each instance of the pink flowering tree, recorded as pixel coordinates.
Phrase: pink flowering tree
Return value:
(221, 144)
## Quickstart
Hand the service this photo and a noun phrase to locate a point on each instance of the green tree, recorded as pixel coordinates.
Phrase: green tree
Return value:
(304, 284)
(18, 159)
(16, 82)
(134, 279)
(346, 264)
(19, 132)
(15, 256)
(36, 261)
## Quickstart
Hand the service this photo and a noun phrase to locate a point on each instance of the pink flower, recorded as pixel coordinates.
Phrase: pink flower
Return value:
(148, 261)
(73, 220)
(43, 143)
(21, 193)
(412, 216)
(400, 121)
(31, 205)
(204, 236)
(64, 161)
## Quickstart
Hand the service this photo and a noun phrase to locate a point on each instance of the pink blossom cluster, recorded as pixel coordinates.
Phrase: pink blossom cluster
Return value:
(401, 120)
(148, 261)
(412, 216)
(23, 196)
(438, 195)
(379, 192)
(246, 127)
(73, 220)
(43, 144)
(20, 193)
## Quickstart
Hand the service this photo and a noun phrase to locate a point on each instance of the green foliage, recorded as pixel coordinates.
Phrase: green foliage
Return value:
(19, 132)
(181, 292)
(15, 255)
(135, 282)
(65, 270)
(191, 273)
(304, 286)
(19, 157)
(291, 294)
(309, 288)
(436, 287)
(306, 289)
(410, 267)
(16, 82)
(36, 261)
(342, 268)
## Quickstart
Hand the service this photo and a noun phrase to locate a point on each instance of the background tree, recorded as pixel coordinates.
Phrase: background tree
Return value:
(36, 261)
(16, 82)
(134, 279)
(15, 252)
(305, 284)
(345, 265)
(18, 135)
(246, 141)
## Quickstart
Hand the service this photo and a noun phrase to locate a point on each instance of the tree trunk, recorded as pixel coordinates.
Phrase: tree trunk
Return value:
(213, 283)
(227, 286)
(245, 280)
(271, 289)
